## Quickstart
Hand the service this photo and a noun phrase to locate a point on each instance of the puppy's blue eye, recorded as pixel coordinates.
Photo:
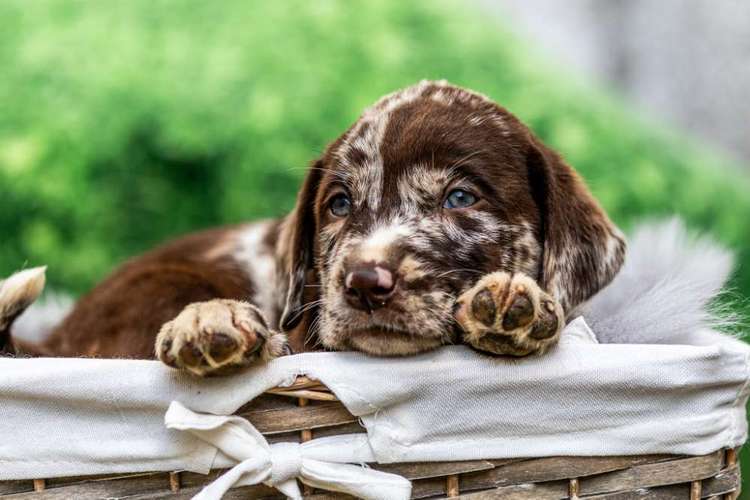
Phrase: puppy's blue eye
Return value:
(458, 198)
(341, 205)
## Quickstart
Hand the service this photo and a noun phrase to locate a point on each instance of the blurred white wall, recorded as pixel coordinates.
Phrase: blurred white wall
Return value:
(686, 62)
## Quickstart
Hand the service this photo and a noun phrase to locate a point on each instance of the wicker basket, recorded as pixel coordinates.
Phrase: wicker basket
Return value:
(308, 408)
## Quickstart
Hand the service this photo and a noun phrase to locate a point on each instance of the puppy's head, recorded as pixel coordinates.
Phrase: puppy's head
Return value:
(431, 188)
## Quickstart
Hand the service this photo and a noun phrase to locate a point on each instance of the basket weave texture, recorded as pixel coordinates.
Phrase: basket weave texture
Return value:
(308, 409)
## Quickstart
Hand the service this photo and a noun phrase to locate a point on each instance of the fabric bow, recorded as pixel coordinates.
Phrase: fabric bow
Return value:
(321, 463)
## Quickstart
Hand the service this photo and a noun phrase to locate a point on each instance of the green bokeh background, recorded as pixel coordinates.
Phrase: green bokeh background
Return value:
(124, 123)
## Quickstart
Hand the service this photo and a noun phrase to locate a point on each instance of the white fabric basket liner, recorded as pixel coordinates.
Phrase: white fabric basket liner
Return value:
(62, 417)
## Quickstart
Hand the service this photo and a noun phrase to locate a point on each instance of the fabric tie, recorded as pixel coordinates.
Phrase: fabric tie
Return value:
(322, 463)
(286, 462)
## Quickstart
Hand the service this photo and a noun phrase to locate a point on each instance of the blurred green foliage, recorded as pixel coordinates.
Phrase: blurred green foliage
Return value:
(124, 123)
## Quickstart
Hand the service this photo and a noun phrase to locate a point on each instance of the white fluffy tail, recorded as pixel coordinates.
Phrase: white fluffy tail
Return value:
(666, 291)
(36, 323)
(16, 294)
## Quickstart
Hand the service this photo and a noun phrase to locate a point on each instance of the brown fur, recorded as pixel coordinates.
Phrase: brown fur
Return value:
(121, 316)
(535, 242)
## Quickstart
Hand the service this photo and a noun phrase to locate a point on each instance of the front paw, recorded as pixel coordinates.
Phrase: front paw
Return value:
(217, 337)
(509, 314)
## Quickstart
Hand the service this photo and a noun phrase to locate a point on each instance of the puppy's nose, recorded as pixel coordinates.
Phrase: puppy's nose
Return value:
(369, 288)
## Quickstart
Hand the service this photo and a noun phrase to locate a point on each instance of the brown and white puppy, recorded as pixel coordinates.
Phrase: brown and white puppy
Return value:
(437, 218)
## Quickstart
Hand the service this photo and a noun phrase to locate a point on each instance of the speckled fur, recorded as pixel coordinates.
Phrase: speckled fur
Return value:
(534, 222)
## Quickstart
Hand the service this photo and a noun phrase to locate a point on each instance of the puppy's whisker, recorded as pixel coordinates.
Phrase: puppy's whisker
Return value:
(310, 305)
(312, 331)
(455, 271)
(306, 307)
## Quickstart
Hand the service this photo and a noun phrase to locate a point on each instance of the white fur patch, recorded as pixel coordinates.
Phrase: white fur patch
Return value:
(477, 120)
(260, 265)
(367, 180)
(378, 243)
(20, 290)
(526, 263)
(612, 251)
(442, 98)
(22, 286)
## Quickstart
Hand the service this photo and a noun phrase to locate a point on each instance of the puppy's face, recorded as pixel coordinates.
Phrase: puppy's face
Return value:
(431, 188)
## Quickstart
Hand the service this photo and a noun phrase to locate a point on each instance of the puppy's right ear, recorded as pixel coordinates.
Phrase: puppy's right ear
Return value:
(583, 249)
(297, 243)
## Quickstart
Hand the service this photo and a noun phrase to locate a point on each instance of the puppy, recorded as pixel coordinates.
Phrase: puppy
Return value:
(436, 218)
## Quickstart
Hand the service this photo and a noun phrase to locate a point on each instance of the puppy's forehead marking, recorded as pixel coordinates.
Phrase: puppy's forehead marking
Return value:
(364, 142)
(360, 151)
(367, 180)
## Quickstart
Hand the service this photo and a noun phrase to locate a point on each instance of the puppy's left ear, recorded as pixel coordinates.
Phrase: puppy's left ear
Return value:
(297, 243)
(583, 249)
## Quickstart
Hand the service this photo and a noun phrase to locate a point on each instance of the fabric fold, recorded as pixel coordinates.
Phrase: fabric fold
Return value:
(76, 417)
(280, 464)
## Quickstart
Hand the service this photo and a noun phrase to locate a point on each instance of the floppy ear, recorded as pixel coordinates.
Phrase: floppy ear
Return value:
(297, 247)
(583, 249)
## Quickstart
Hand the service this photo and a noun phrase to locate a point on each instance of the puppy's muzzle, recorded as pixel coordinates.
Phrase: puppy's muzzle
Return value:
(369, 287)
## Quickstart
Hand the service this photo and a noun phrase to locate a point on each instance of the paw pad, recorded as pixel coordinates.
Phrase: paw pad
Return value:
(483, 307)
(520, 312)
(509, 314)
(217, 336)
(221, 347)
(190, 355)
(547, 324)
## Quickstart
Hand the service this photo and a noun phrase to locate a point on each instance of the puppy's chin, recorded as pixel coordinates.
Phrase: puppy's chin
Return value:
(382, 342)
